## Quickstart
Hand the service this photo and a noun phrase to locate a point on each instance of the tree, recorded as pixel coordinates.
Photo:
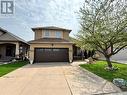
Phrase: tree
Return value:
(103, 27)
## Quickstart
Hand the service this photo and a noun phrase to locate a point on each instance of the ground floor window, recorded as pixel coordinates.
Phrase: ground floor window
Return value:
(10, 50)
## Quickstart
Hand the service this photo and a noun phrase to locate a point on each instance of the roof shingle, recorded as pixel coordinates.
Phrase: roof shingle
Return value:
(7, 36)
(50, 40)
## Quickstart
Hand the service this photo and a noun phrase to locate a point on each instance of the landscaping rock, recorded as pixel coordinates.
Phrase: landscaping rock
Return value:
(87, 60)
(14, 60)
(90, 60)
(120, 82)
(96, 56)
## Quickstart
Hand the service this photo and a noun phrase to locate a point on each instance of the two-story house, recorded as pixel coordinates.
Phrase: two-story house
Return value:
(51, 44)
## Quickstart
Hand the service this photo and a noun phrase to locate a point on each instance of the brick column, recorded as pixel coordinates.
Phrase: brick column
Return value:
(31, 54)
(17, 50)
(70, 54)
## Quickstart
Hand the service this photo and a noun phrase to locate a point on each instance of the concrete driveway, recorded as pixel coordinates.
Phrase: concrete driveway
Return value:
(53, 79)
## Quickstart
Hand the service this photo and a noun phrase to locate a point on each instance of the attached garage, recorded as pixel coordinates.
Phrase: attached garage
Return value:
(51, 50)
(51, 55)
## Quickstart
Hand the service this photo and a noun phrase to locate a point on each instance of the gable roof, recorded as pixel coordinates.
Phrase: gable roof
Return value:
(2, 30)
(7, 36)
(50, 40)
(51, 28)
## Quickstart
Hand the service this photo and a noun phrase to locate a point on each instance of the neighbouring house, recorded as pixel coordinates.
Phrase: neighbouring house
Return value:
(51, 44)
(12, 46)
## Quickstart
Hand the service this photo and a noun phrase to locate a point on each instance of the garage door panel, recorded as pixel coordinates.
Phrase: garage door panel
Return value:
(51, 55)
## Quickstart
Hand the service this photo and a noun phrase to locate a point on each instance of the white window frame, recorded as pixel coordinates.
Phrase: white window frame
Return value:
(45, 35)
(58, 35)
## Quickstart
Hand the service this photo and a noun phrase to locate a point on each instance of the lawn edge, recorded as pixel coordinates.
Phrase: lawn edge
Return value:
(12, 71)
(85, 70)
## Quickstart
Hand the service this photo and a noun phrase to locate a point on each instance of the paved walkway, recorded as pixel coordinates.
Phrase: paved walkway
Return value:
(53, 79)
(122, 93)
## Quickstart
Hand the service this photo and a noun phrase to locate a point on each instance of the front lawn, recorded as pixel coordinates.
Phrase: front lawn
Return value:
(99, 70)
(6, 68)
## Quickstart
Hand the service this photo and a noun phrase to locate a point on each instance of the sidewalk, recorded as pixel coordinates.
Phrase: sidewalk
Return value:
(122, 93)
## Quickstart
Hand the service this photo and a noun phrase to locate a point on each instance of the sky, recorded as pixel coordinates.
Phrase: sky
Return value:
(37, 13)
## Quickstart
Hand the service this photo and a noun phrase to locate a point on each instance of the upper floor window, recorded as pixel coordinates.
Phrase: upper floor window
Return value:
(58, 35)
(46, 34)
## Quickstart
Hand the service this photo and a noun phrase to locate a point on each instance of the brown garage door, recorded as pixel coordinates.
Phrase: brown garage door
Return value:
(51, 55)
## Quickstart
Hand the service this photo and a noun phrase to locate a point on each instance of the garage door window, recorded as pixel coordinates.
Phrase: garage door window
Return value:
(56, 49)
(47, 49)
(39, 50)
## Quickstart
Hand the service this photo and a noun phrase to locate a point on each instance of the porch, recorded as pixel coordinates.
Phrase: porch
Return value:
(79, 54)
(12, 50)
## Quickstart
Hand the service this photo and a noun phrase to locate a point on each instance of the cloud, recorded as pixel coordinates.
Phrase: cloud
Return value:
(31, 13)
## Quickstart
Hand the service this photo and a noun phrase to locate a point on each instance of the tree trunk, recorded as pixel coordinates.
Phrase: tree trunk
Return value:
(109, 62)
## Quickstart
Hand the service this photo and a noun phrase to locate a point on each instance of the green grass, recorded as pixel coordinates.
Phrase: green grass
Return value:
(6, 68)
(99, 70)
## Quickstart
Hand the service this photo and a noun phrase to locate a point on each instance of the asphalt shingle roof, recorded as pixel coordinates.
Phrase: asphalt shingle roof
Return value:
(50, 40)
(7, 36)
